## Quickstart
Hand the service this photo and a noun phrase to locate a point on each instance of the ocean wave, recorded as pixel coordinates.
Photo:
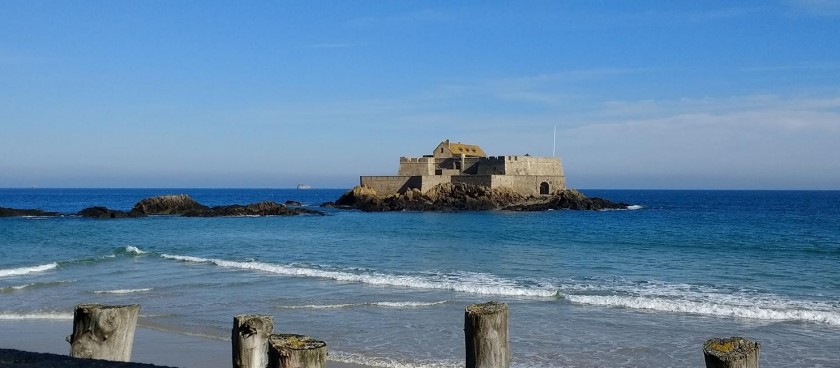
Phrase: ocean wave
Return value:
(27, 270)
(122, 291)
(33, 285)
(398, 305)
(36, 315)
(634, 207)
(466, 282)
(742, 309)
(130, 249)
(353, 358)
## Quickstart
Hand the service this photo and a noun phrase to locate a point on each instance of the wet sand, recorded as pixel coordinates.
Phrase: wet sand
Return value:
(150, 346)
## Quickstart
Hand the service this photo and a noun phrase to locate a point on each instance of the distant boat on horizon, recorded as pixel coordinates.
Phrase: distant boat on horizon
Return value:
(304, 186)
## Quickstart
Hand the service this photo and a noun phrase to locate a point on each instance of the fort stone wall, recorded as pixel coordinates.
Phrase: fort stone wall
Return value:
(480, 180)
(530, 165)
(387, 185)
(493, 165)
(529, 184)
(527, 175)
(416, 166)
(430, 181)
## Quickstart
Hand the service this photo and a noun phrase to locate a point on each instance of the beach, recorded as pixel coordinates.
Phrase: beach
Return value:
(642, 287)
(150, 345)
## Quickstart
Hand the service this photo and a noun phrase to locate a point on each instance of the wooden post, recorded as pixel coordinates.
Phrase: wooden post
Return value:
(103, 331)
(250, 340)
(486, 335)
(733, 352)
(296, 351)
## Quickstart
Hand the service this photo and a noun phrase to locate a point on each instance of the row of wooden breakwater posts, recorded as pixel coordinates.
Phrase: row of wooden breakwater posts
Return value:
(107, 332)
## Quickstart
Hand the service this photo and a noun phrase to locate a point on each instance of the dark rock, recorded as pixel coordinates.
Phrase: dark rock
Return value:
(568, 200)
(104, 213)
(463, 197)
(13, 212)
(293, 203)
(253, 209)
(167, 205)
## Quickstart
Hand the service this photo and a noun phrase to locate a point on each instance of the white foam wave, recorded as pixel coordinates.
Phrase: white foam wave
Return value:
(122, 291)
(130, 249)
(353, 358)
(466, 282)
(27, 270)
(407, 304)
(369, 304)
(36, 315)
(710, 308)
(32, 285)
(634, 207)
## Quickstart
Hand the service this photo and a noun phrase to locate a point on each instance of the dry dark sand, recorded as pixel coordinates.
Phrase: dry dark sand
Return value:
(150, 346)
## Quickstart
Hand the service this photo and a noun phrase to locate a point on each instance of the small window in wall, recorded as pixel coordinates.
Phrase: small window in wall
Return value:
(544, 188)
(441, 150)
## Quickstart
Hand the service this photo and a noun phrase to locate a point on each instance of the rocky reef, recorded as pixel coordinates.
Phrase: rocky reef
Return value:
(464, 197)
(105, 213)
(14, 212)
(254, 209)
(178, 204)
(182, 204)
(175, 204)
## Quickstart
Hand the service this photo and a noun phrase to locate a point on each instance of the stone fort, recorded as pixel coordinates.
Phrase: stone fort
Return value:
(468, 164)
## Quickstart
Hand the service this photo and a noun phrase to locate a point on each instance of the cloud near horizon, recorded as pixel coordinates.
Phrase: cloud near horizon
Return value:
(776, 143)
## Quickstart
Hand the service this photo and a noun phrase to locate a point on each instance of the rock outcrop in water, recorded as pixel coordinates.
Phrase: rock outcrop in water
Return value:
(104, 213)
(15, 212)
(253, 209)
(183, 205)
(464, 197)
(174, 204)
(178, 204)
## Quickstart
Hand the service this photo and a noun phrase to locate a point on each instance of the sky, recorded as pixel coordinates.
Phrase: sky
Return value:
(271, 94)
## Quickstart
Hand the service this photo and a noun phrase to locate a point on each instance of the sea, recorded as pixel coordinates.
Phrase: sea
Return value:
(645, 286)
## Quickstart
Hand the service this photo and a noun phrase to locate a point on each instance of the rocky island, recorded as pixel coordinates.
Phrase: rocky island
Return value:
(177, 204)
(461, 177)
(185, 206)
(449, 197)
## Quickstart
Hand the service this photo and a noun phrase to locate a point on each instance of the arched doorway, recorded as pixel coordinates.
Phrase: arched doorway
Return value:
(544, 188)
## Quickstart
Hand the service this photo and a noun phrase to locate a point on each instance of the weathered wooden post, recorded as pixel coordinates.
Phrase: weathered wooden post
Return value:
(733, 352)
(250, 340)
(296, 351)
(486, 335)
(103, 331)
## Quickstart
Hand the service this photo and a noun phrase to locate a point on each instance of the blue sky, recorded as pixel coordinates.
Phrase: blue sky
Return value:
(644, 94)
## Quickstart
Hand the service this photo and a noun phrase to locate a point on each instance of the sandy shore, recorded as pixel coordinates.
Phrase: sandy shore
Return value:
(150, 346)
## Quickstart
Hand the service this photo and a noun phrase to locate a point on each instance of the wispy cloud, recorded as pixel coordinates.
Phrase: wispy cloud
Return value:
(737, 142)
(546, 89)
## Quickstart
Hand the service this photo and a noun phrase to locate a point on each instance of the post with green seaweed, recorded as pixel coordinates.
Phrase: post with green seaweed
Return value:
(486, 335)
(732, 352)
(296, 351)
(103, 331)
(250, 340)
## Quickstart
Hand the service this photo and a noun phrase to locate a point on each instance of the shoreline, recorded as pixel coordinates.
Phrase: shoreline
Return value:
(151, 346)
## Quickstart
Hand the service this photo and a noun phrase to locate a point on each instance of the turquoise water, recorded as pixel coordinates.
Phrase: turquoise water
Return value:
(640, 287)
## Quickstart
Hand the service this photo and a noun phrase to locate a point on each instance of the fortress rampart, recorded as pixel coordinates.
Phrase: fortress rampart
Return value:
(526, 174)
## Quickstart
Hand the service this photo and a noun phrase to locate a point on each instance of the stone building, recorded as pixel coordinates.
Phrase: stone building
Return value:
(468, 164)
